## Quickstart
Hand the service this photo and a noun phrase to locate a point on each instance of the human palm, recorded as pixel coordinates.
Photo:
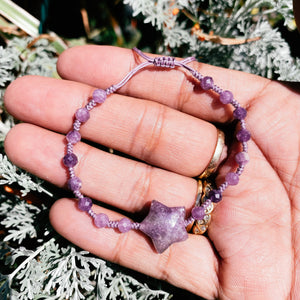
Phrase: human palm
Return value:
(162, 118)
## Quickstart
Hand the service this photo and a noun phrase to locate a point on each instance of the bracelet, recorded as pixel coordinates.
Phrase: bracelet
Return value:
(164, 225)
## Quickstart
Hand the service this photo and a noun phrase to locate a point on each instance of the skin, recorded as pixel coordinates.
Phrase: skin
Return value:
(166, 121)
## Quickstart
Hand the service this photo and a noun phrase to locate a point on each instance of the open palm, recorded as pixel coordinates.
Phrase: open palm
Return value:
(162, 118)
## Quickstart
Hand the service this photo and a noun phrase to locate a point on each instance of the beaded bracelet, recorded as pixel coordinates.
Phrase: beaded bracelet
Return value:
(164, 225)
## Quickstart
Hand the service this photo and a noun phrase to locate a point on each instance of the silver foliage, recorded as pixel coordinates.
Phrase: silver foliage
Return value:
(275, 56)
(9, 62)
(18, 60)
(19, 219)
(58, 273)
(269, 56)
(11, 174)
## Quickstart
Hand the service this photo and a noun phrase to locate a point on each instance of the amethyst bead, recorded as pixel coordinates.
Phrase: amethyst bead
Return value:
(240, 113)
(215, 196)
(74, 183)
(82, 114)
(70, 160)
(226, 97)
(232, 178)
(99, 96)
(85, 204)
(207, 83)
(101, 220)
(243, 135)
(242, 158)
(73, 137)
(198, 212)
(164, 225)
(124, 225)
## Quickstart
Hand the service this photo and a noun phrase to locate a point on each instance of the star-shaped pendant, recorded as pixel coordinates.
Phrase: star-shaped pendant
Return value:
(164, 225)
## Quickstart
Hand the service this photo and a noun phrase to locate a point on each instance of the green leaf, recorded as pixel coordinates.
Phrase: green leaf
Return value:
(20, 17)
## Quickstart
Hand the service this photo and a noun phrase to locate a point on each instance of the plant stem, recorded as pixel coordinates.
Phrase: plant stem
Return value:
(27, 260)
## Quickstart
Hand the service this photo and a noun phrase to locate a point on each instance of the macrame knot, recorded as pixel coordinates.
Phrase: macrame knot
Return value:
(197, 75)
(165, 62)
(111, 89)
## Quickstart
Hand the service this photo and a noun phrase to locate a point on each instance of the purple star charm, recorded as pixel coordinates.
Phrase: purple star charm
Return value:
(164, 225)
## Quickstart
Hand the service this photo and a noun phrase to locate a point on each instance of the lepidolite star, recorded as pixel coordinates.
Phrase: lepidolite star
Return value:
(164, 225)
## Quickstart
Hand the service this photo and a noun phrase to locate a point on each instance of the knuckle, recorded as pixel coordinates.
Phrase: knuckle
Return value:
(141, 188)
(184, 91)
(149, 131)
(163, 265)
(120, 248)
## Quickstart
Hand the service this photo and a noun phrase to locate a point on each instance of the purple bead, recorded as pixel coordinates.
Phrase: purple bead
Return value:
(124, 225)
(74, 183)
(242, 158)
(243, 135)
(82, 114)
(215, 196)
(99, 96)
(73, 137)
(164, 225)
(70, 160)
(207, 83)
(240, 113)
(101, 220)
(226, 97)
(232, 178)
(198, 212)
(85, 204)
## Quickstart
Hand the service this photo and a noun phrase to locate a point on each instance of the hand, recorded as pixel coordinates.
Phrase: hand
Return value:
(162, 118)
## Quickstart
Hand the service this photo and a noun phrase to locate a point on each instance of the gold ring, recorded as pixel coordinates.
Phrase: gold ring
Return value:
(216, 158)
(203, 189)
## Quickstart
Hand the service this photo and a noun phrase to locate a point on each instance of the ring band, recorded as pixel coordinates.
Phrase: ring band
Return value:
(200, 226)
(216, 158)
(204, 187)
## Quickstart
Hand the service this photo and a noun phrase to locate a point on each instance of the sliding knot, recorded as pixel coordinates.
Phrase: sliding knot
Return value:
(165, 62)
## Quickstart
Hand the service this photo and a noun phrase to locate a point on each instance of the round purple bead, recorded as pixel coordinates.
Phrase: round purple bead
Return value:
(74, 183)
(232, 178)
(240, 113)
(243, 135)
(226, 97)
(124, 225)
(70, 160)
(85, 204)
(101, 220)
(99, 96)
(82, 114)
(215, 196)
(73, 137)
(198, 212)
(242, 158)
(207, 83)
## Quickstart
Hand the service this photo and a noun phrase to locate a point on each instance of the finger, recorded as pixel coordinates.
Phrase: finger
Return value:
(189, 265)
(263, 97)
(116, 180)
(143, 129)
(103, 66)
